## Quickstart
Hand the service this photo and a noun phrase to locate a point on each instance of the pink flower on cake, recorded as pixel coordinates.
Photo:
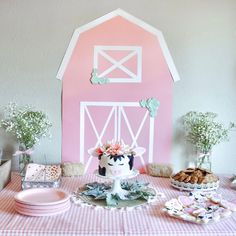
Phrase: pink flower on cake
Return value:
(99, 151)
(111, 149)
(115, 149)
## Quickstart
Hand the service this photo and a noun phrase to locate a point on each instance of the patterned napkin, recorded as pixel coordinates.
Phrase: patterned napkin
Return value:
(41, 173)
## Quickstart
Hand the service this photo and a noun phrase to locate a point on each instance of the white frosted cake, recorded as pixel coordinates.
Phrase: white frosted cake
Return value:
(115, 159)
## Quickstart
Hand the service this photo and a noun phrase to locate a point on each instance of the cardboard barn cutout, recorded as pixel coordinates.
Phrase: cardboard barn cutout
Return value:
(117, 85)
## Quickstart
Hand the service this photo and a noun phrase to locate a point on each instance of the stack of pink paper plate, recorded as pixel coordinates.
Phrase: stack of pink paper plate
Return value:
(42, 202)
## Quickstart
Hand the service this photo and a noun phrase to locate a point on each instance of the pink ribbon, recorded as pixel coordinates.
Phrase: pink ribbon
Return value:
(27, 152)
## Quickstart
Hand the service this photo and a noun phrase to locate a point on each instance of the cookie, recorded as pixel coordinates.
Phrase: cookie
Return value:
(187, 179)
(205, 217)
(182, 177)
(213, 208)
(198, 173)
(189, 210)
(216, 216)
(174, 204)
(200, 180)
(189, 170)
(223, 212)
(198, 196)
(199, 212)
(228, 205)
(185, 201)
(194, 179)
(209, 178)
(216, 198)
(178, 175)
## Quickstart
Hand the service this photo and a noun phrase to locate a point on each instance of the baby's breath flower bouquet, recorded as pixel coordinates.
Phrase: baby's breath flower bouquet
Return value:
(204, 132)
(27, 125)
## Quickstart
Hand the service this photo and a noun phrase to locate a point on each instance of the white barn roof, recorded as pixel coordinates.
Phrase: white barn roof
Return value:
(129, 17)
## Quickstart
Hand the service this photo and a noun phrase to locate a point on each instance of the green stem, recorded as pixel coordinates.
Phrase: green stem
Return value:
(204, 159)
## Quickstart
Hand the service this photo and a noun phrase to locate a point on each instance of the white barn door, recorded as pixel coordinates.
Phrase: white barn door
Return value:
(117, 124)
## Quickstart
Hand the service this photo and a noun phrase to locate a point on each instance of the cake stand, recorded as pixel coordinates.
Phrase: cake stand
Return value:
(116, 185)
(112, 196)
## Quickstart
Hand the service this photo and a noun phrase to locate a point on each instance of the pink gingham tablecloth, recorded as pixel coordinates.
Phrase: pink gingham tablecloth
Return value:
(88, 221)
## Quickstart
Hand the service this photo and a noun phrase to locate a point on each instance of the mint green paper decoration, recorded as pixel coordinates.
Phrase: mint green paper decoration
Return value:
(151, 104)
(101, 191)
(97, 80)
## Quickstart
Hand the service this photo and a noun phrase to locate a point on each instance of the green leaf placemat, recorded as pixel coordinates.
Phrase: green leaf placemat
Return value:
(98, 194)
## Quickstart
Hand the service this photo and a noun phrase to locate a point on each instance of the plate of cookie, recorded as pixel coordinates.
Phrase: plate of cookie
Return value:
(193, 179)
(200, 207)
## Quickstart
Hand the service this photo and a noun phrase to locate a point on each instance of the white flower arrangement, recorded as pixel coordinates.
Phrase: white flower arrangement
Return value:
(26, 124)
(203, 131)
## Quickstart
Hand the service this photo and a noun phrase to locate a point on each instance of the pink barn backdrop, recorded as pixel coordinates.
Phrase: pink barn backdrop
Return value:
(133, 58)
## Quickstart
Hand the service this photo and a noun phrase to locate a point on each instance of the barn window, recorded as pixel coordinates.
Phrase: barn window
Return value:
(118, 64)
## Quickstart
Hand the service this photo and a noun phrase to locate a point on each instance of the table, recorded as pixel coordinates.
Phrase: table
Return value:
(88, 221)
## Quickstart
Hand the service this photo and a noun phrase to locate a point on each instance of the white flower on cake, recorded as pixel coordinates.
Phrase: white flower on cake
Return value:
(115, 158)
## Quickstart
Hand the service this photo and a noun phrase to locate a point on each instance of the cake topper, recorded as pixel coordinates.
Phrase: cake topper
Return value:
(111, 148)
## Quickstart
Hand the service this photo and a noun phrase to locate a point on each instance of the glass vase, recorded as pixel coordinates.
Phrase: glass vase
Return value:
(203, 160)
(25, 158)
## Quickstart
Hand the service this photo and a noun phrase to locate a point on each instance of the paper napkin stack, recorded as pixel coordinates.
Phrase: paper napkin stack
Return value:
(42, 173)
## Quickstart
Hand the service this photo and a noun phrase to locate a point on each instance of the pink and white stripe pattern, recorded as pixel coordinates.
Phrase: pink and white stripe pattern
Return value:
(88, 221)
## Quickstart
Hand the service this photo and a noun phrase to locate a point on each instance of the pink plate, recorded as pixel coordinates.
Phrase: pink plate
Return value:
(42, 207)
(40, 213)
(41, 196)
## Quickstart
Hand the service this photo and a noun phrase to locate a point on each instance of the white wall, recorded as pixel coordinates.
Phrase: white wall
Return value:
(201, 36)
